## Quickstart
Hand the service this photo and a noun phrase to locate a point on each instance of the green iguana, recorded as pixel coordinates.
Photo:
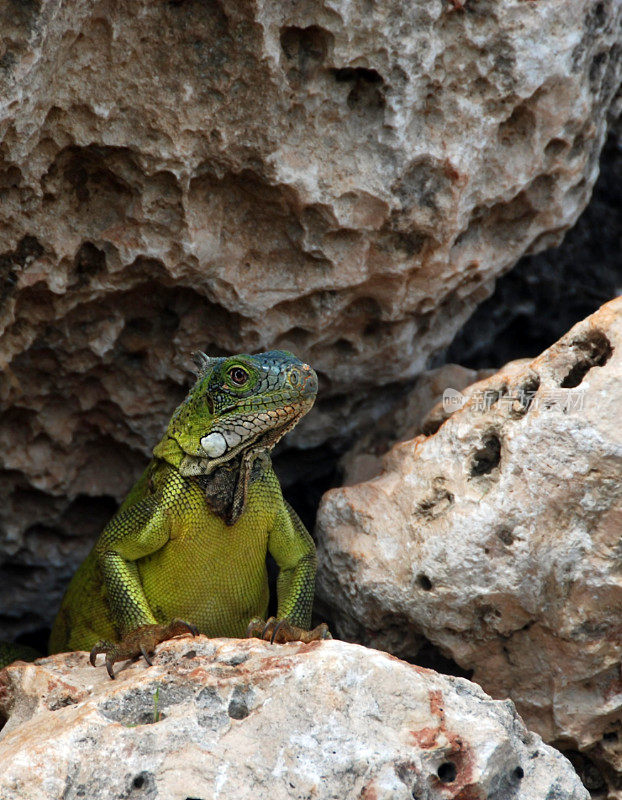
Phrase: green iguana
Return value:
(186, 552)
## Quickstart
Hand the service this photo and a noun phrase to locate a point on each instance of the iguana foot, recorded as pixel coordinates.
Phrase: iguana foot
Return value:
(140, 641)
(281, 631)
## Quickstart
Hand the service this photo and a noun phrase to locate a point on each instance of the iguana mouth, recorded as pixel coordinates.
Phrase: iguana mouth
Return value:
(269, 436)
(263, 440)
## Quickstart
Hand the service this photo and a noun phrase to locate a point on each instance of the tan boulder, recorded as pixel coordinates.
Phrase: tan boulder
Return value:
(419, 411)
(498, 540)
(245, 719)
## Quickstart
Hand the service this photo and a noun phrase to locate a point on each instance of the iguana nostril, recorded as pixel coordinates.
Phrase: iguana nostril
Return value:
(303, 377)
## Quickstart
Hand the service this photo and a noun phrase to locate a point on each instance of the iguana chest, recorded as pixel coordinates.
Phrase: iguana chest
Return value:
(208, 573)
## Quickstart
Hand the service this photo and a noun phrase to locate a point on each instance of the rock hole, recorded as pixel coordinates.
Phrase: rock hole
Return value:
(238, 705)
(28, 250)
(541, 191)
(596, 18)
(377, 328)
(439, 501)
(294, 339)
(357, 73)
(141, 707)
(447, 772)
(506, 536)
(518, 774)
(363, 308)
(367, 86)
(424, 582)
(578, 146)
(239, 658)
(531, 385)
(525, 396)
(144, 783)
(238, 709)
(489, 614)
(428, 185)
(610, 736)
(345, 348)
(410, 243)
(89, 261)
(555, 148)
(492, 396)
(594, 351)
(305, 49)
(518, 127)
(487, 457)
(10, 178)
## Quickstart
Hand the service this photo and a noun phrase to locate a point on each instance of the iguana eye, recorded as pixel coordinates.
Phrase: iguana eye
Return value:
(238, 376)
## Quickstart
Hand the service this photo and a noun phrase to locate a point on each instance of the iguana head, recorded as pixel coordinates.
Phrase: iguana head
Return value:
(239, 403)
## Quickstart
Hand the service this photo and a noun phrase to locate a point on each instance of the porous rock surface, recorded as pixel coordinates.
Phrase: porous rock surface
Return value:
(341, 179)
(245, 719)
(498, 540)
(419, 409)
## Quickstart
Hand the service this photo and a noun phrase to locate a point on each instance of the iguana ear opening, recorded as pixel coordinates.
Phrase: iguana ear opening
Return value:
(203, 362)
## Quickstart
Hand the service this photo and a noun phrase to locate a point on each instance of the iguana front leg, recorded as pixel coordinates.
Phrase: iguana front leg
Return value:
(134, 533)
(141, 641)
(293, 550)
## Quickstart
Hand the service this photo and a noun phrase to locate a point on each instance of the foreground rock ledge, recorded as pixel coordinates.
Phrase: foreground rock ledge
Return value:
(342, 179)
(498, 540)
(237, 719)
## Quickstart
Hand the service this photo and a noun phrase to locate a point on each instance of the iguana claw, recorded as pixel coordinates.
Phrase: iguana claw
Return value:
(146, 655)
(140, 641)
(281, 631)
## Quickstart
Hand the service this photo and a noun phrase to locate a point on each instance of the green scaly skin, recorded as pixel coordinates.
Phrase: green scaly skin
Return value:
(186, 551)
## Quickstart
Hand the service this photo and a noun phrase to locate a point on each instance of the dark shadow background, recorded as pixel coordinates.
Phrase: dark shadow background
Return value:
(546, 294)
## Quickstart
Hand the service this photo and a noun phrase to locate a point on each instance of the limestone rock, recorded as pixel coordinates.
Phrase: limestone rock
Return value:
(454, 396)
(422, 408)
(341, 179)
(244, 719)
(498, 540)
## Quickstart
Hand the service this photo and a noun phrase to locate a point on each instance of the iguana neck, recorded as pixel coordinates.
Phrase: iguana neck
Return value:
(169, 450)
(225, 485)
